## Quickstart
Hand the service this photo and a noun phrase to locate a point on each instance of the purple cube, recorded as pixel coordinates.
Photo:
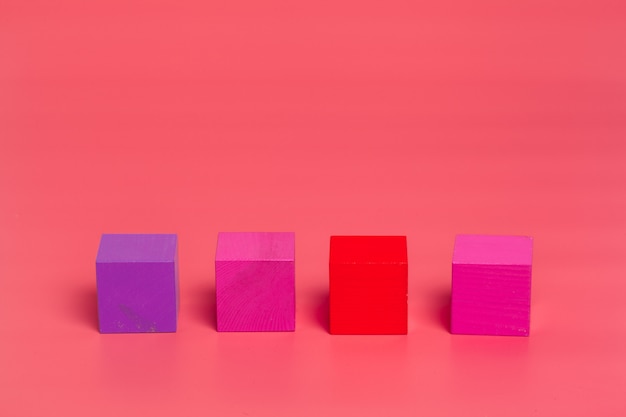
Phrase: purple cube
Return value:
(491, 278)
(137, 280)
(255, 282)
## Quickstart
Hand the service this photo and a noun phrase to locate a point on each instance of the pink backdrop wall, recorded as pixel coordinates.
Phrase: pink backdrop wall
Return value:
(423, 119)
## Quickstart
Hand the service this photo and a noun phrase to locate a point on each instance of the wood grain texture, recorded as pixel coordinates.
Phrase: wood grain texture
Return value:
(137, 283)
(491, 285)
(255, 282)
(368, 285)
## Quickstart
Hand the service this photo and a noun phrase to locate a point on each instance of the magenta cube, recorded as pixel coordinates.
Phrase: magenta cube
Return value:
(491, 280)
(137, 281)
(255, 282)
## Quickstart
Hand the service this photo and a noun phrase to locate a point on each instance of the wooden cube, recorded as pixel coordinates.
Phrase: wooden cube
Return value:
(491, 281)
(255, 282)
(137, 282)
(368, 285)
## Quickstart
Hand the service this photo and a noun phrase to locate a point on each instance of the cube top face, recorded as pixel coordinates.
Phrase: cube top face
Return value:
(492, 250)
(368, 250)
(137, 248)
(255, 246)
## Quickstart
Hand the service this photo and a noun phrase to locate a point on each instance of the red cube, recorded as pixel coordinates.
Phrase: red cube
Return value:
(368, 285)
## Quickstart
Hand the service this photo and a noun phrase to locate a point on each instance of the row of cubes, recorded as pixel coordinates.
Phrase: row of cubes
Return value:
(137, 283)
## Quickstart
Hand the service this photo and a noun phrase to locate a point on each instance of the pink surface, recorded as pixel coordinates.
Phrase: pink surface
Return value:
(325, 118)
(255, 282)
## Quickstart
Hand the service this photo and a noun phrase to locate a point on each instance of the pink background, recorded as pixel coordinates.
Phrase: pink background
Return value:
(425, 119)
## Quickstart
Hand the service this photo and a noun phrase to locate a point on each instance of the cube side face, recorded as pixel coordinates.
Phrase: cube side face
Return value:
(137, 297)
(491, 300)
(255, 296)
(368, 298)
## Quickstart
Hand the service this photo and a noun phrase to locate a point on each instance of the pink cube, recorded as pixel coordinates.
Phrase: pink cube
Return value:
(255, 282)
(491, 280)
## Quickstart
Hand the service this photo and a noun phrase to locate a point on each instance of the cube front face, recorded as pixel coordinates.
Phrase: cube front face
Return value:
(255, 282)
(137, 282)
(368, 285)
(491, 285)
